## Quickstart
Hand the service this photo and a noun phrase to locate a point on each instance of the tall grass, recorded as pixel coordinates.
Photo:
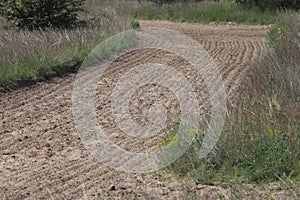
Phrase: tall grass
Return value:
(204, 12)
(261, 138)
(34, 55)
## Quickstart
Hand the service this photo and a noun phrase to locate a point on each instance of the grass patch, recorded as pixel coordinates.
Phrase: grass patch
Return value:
(261, 138)
(40, 66)
(44, 65)
(205, 12)
(40, 54)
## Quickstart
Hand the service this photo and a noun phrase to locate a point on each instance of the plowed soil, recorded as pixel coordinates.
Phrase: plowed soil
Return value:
(41, 153)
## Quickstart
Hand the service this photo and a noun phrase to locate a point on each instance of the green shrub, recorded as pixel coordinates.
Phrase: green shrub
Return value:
(33, 14)
(274, 35)
(272, 4)
(134, 23)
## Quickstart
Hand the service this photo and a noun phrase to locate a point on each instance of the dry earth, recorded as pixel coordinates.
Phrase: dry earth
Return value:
(41, 153)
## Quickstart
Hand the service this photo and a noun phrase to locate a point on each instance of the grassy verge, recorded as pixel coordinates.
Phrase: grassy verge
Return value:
(205, 12)
(41, 66)
(37, 55)
(261, 139)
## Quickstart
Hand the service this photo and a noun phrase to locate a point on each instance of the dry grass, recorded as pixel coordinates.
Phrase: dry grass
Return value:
(261, 138)
(31, 54)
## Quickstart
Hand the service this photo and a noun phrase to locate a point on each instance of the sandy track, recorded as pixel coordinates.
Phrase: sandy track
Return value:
(42, 156)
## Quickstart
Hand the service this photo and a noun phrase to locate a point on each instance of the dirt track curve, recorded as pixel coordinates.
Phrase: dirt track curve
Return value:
(41, 153)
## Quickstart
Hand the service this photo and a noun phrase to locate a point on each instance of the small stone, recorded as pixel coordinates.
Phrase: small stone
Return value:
(123, 187)
(112, 188)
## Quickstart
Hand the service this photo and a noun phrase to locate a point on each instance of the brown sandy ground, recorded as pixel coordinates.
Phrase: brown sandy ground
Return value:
(41, 153)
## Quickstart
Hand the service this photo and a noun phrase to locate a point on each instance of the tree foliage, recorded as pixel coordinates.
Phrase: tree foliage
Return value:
(272, 4)
(33, 14)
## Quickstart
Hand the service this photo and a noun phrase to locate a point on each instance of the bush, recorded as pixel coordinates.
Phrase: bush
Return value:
(34, 14)
(272, 4)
